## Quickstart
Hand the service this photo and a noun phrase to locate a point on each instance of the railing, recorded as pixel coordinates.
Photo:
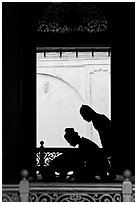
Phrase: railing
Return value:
(10, 193)
(45, 155)
(39, 191)
(27, 191)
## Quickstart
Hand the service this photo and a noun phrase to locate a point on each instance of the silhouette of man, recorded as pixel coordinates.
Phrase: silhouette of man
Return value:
(103, 125)
(86, 161)
(91, 160)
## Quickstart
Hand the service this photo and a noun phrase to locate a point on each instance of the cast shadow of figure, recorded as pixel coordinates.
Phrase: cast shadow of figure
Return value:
(103, 125)
(86, 162)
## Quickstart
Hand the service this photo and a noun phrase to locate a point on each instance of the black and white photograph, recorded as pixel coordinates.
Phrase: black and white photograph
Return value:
(68, 101)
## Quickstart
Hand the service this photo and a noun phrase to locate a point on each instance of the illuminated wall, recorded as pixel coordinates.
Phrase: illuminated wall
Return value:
(63, 85)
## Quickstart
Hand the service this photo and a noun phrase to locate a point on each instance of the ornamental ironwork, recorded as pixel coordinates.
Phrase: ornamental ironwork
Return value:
(48, 157)
(10, 197)
(75, 197)
(72, 17)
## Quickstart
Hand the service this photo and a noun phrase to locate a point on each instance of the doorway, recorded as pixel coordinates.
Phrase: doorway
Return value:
(65, 81)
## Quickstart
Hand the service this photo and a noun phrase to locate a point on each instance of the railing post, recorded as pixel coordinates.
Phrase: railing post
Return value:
(42, 154)
(127, 187)
(24, 186)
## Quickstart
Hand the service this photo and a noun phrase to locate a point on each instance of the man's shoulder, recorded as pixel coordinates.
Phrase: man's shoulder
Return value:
(88, 142)
(84, 139)
(106, 117)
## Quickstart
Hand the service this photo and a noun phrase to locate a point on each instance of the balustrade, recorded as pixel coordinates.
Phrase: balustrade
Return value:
(27, 191)
(69, 192)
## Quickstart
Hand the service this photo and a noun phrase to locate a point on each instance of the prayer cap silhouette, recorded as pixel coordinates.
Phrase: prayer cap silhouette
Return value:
(70, 133)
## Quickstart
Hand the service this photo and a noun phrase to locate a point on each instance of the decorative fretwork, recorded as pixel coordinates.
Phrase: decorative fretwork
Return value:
(133, 197)
(9, 197)
(45, 155)
(48, 157)
(72, 17)
(68, 192)
(73, 197)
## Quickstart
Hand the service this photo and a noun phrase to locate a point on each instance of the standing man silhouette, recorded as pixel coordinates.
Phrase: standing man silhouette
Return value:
(103, 125)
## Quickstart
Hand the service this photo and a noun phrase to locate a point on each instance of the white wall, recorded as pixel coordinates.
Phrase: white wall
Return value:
(63, 84)
(58, 104)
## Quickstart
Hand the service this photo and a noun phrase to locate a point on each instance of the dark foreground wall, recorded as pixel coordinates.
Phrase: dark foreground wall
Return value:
(19, 85)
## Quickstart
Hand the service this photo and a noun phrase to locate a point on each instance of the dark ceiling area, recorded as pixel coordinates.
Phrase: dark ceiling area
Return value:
(25, 18)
